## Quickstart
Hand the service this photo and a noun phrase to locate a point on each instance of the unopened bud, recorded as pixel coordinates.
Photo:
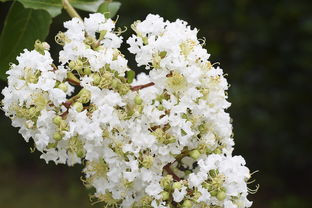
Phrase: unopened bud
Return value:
(138, 100)
(57, 120)
(187, 204)
(165, 195)
(63, 87)
(78, 106)
(221, 195)
(57, 136)
(195, 154)
(176, 185)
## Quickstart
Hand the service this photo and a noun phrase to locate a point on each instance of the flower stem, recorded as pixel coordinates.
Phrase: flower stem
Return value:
(70, 9)
(138, 87)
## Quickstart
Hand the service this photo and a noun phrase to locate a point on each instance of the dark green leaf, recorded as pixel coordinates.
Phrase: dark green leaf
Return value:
(130, 76)
(109, 9)
(87, 5)
(21, 29)
(54, 7)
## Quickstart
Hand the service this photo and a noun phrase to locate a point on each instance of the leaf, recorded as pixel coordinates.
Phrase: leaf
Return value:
(109, 9)
(22, 27)
(86, 5)
(54, 7)
(130, 76)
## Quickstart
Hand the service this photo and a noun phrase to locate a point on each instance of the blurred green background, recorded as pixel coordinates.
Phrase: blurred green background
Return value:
(264, 46)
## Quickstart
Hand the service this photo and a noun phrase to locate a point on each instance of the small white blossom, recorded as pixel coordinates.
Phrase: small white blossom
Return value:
(165, 138)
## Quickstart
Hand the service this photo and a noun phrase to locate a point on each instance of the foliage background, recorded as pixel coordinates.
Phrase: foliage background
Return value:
(264, 46)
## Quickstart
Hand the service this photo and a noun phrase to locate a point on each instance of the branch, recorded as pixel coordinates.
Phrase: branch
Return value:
(170, 172)
(73, 82)
(138, 87)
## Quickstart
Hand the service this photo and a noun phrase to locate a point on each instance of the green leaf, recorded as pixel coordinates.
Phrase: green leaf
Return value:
(54, 7)
(87, 5)
(109, 9)
(130, 76)
(22, 27)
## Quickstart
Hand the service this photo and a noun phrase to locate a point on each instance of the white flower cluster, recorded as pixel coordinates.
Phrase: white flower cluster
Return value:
(162, 141)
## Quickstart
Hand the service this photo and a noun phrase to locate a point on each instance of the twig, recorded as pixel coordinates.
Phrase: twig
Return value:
(138, 87)
(73, 82)
(170, 172)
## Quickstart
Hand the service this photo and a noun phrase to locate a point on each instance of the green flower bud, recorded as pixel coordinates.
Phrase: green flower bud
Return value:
(63, 87)
(96, 79)
(138, 100)
(115, 83)
(184, 116)
(87, 70)
(78, 106)
(195, 154)
(163, 54)
(165, 195)
(123, 89)
(214, 193)
(208, 151)
(89, 40)
(80, 153)
(145, 40)
(196, 195)
(166, 181)
(71, 64)
(79, 65)
(52, 145)
(147, 161)
(160, 107)
(84, 96)
(187, 204)
(176, 185)
(221, 195)
(202, 128)
(102, 34)
(217, 151)
(57, 136)
(169, 139)
(140, 108)
(57, 120)
(213, 173)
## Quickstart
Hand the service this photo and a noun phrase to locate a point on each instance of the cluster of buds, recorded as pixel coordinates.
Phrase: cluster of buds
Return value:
(160, 140)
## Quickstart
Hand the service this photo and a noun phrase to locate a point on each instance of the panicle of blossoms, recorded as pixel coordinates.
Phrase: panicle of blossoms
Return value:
(163, 141)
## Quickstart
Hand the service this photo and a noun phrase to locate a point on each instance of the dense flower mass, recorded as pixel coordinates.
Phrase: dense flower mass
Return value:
(160, 140)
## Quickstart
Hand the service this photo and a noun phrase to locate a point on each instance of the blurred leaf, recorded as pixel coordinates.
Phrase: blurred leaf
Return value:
(54, 7)
(109, 9)
(130, 76)
(87, 5)
(22, 28)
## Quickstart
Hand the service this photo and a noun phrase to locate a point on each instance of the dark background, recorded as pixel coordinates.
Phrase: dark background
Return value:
(265, 47)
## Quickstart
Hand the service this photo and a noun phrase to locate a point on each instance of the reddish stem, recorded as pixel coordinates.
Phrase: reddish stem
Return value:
(73, 82)
(170, 172)
(138, 87)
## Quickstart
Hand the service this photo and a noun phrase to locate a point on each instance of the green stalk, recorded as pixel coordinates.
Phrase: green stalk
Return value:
(70, 9)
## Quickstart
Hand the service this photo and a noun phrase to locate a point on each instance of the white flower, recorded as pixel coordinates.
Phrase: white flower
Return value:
(165, 138)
